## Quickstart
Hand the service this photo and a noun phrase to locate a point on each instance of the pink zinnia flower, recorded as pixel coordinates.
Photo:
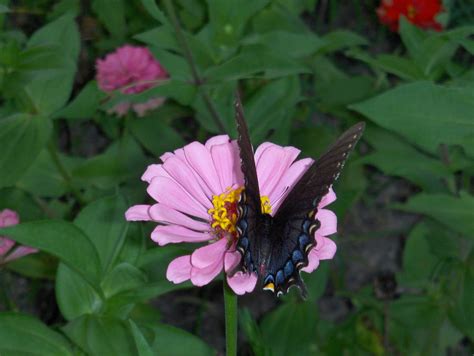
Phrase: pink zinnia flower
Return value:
(131, 70)
(197, 190)
(8, 218)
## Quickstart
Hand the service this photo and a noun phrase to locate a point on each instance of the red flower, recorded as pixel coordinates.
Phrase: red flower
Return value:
(419, 12)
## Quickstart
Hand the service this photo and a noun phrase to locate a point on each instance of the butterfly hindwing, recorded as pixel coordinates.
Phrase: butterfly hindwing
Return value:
(295, 222)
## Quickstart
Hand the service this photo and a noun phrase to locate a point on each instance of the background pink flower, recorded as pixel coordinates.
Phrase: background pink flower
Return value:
(197, 188)
(8, 218)
(132, 70)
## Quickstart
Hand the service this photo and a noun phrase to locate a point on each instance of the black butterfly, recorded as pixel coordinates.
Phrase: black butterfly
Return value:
(276, 248)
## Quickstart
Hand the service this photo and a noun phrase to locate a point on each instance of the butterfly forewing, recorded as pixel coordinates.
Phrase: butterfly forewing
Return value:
(250, 216)
(294, 224)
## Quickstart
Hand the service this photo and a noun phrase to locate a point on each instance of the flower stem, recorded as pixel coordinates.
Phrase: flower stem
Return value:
(64, 173)
(194, 69)
(230, 302)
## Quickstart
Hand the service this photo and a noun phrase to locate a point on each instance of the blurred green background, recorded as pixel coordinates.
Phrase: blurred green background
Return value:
(402, 281)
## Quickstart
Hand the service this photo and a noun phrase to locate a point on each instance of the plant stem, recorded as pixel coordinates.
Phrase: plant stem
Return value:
(230, 303)
(192, 64)
(64, 173)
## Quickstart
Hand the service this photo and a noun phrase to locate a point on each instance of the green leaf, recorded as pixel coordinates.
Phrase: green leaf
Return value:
(445, 115)
(412, 37)
(74, 295)
(24, 335)
(122, 160)
(140, 342)
(270, 106)
(103, 221)
(112, 14)
(155, 135)
(43, 178)
(36, 265)
(390, 156)
(418, 261)
(21, 201)
(253, 62)
(340, 39)
(22, 137)
(101, 335)
(221, 95)
(340, 92)
(161, 37)
(50, 90)
(123, 277)
(316, 281)
(61, 239)
(462, 310)
(182, 92)
(295, 45)
(228, 18)
(399, 66)
(295, 325)
(169, 340)
(252, 332)
(84, 105)
(456, 213)
(155, 12)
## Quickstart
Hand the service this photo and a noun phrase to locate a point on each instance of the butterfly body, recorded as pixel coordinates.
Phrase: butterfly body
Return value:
(276, 247)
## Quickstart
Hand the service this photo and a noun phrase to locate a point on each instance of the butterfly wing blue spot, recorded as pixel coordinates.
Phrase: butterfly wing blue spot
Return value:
(297, 256)
(280, 278)
(306, 225)
(303, 241)
(244, 242)
(288, 269)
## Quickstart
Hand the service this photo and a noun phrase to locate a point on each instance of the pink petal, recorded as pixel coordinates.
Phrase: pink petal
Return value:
(167, 191)
(328, 222)
(179, 270)
(329, 198)
(20, 252)
(288, 181)
(325, 248)
(182, 156)
(165, 234)
(200, 160)
(202, 276)
(183, 175)
(313, 261)
(272, 165)
(138, 213)
(231, 260)
(217, 140)
(152, 171)
(166, 155)
(8, 218)
(5, 245)
(205, 256)
(164, 214)
(242, 283)
(260, 150)
(223, 156)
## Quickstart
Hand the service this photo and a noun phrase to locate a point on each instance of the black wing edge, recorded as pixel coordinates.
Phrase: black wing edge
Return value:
(317, 180)
(247, 159)
(249, 208)
(304, 198)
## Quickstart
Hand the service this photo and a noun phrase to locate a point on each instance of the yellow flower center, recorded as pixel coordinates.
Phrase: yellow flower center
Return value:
(224, 211)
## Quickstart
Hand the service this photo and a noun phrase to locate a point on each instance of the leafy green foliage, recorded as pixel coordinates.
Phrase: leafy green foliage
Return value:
(71, 168)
